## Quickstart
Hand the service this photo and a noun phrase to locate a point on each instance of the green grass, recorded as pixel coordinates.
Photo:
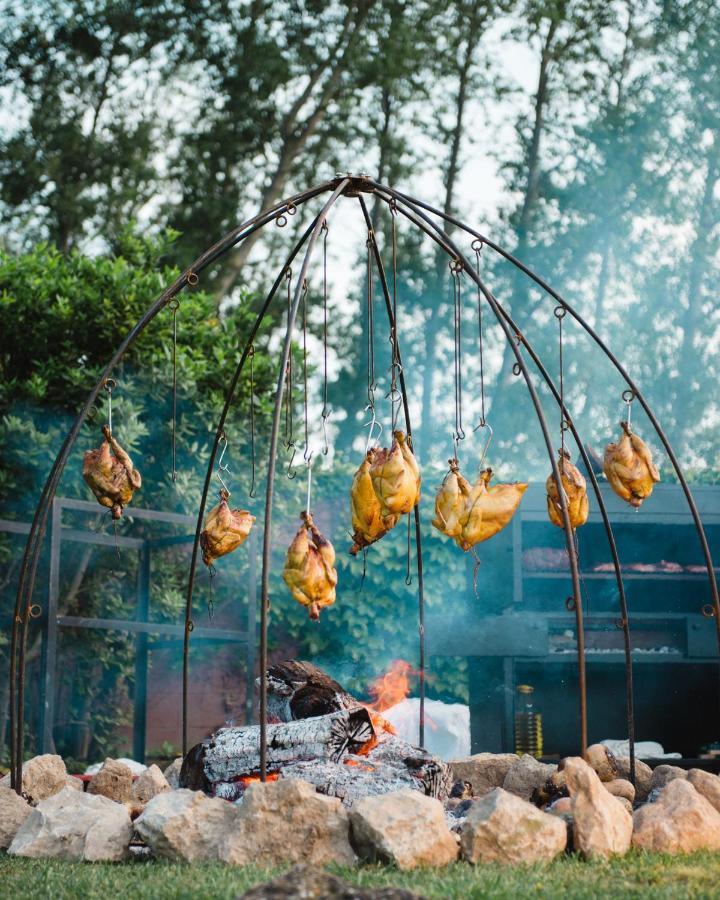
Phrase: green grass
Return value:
(636, 875)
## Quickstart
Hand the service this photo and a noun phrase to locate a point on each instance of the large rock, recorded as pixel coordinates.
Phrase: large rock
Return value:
(42, 776)
(151, 783)
(707, 784)
(186, 825)
(172, 773)
(75, 826)
(304, 882)
(619, 787)
(643, 775)
(679, 821)
(484, 771)
(527, 775)
(114, 781)
(602, 826)
(501, 827)
(404, 828)
(13, 812)
(663, 775)
(603, 761)
(288, 821)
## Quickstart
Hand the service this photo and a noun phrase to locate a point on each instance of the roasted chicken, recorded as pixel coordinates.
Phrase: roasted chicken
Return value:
(225, 529)
(629, 468)
(310, 568)
(575, 489)
(473, 513)
(385, 487)
(111, 475)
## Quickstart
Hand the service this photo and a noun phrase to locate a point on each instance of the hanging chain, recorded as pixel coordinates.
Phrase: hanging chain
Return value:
(373, 423)
(394, 394)
(251, 356)
(326, 409)
(174, 306)
(223, 469)
(289, 424)
(459, 433)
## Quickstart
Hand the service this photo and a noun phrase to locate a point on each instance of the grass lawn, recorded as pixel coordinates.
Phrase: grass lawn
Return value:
(636, 875)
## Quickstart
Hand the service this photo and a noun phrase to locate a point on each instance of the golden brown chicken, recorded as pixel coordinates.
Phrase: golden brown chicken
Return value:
(111, 475)
(386, 486)
(473, 513)
(629, 468)
(487, 509)
(575, 489)
(225, 529)
(310, 568)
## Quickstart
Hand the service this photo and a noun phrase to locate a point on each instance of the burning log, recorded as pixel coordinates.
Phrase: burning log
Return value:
(233, 753)
(300, 690)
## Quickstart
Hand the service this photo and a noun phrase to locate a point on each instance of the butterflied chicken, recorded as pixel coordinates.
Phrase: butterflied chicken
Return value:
(473, 513)
(310, 568)
(111, 475)
(629, 468)
(385, 487)
(573, 484)
(225, 529)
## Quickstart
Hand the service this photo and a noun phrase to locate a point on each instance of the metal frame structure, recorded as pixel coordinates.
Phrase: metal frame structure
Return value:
(424, 217)
(52, 623)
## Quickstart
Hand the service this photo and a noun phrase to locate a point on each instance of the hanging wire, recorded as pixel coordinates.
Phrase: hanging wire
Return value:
(251, 357)
(560, 312)
(174, 305)
(289, 424)
(459, 433)
(223, 469)
(477, 246)
(394, 394)
(373, 422)
(628, 397)
(306, 452)
(325, 415)
(110, 385)
(408, 571)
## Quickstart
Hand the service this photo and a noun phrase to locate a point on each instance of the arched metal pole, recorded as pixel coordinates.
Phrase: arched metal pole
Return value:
(208, 477)
(416, 511)
(272, 454)
(28, 569)
(702, 537)
(418, 218)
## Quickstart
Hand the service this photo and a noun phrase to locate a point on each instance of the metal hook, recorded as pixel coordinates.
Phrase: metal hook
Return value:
(223, 469)
(291, 473)
(309, 461)
(110, 385)
(487, 425)
(324, 416)
(372, 423)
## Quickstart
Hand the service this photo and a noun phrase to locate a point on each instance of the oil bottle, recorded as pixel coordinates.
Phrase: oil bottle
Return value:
(528, 724)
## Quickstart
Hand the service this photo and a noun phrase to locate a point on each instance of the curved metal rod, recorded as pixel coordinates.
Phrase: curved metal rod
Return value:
(702, 537)
(28, 569)
(408, 428)
(208, 477)
(272, 454)
(443, 240)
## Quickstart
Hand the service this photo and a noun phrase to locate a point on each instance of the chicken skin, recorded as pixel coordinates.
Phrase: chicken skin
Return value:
(575, 489)
(225, 530)
(111, 475)
(310, 568)
(629, 467)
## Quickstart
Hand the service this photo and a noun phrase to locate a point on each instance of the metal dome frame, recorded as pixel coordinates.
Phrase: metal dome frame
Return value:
(423, 216)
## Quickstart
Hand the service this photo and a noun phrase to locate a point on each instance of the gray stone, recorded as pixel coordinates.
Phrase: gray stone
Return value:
(680, 821)
(663, 775)
(42, 776)
(114, 781)
(172, 773)
(75, 826)
(526, 776)
(484, 771)
(304, 882)
(643, 776)
(287, 821)
(186, 825)
(404, 828)
(707, 784)
(501, 827)
(74, 783)
(13, 812)
(602, 826)
(151, 783)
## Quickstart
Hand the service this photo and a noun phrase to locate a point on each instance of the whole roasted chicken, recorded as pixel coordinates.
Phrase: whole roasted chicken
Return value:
(473, 513)
(385, 487)
(225, 529)
(310, 568)
(111, 475)
(575, 489)
(629, 468)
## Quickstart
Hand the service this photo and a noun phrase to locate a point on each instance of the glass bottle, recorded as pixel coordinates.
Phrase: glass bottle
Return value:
(528, 724)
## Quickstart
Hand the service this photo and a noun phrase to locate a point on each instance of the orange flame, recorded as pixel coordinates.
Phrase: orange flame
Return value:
(393, 687)
(251, 779)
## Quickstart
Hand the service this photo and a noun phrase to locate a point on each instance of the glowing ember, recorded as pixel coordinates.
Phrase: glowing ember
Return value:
(251, 779)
